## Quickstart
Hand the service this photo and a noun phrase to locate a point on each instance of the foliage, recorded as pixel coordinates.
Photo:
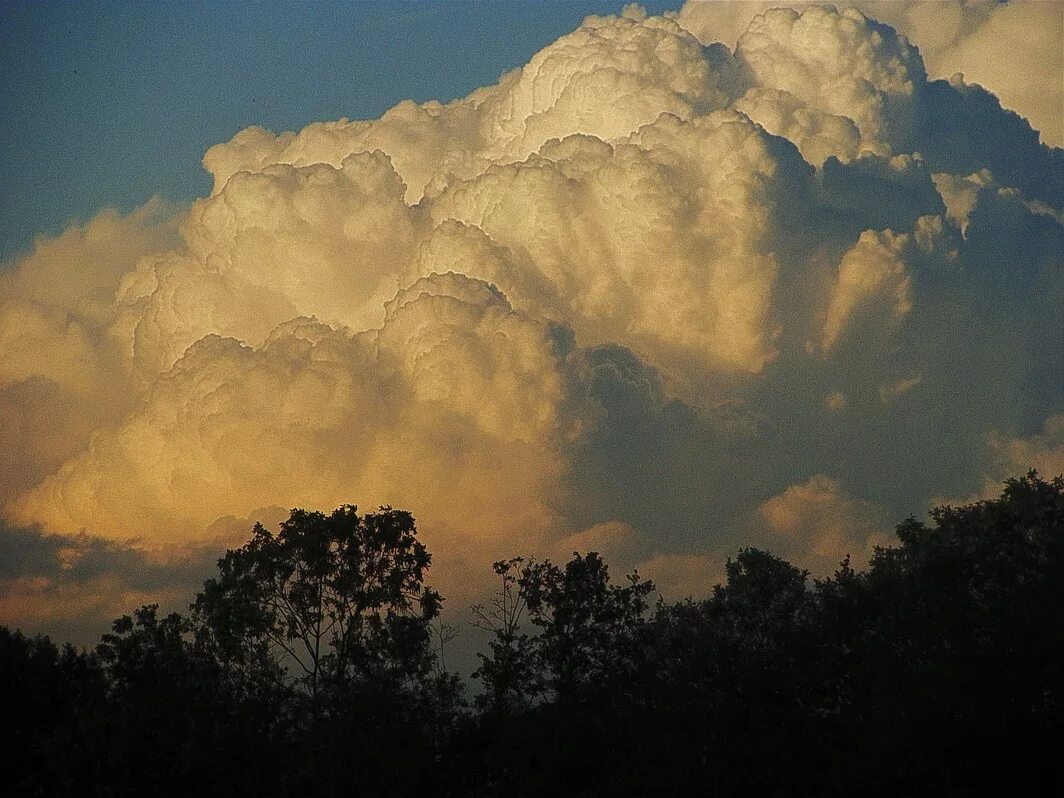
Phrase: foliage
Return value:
(337, 599)
(308, 666)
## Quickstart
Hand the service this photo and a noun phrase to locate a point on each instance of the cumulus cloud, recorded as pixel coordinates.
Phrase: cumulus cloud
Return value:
(1011, 47)
(1043, 452)
(61, 374)
(870, 269)
(838, 66)
(817, 527)
(641, 296)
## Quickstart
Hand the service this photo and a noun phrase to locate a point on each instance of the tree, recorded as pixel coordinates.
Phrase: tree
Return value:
(55, 709)
(587, 625)
(962, 646)
(307, 668)
(722, 680)
(331, 613)
(339, 599)
(561, 639)
(509, 673)
(146, 650)
(167, 723)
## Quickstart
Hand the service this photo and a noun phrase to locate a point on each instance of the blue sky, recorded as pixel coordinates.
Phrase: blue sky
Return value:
(111, 103)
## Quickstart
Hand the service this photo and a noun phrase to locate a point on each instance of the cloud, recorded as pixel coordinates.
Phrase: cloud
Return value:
(1012, 48)
(642, 295)
(1012, 457)
(681, 576)
(61, 373)
(839, 65)
(816, 526)
(700, 200)
(74, 585)
(870, 269)
(609, 77)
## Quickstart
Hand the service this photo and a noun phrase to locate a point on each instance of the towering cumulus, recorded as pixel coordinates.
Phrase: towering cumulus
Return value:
(649, 293)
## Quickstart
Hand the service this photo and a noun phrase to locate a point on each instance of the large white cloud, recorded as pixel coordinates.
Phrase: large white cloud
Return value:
(1012, 47)
(640, 295)
(61, 375)
(839, 66)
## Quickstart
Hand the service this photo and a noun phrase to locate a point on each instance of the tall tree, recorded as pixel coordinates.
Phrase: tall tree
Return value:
(509, 670)
(330, 599)
(587, 625)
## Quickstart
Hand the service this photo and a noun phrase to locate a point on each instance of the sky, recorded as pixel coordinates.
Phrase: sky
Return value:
(128, 96)
(659, 283)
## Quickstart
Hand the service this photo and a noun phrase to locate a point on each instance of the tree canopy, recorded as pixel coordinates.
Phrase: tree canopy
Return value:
(308, 666)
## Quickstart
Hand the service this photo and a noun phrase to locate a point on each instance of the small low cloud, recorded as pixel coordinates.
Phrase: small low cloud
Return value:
(816, 526)
(74, 585)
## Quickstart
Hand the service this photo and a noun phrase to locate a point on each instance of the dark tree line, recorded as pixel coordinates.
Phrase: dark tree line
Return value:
(309, 666)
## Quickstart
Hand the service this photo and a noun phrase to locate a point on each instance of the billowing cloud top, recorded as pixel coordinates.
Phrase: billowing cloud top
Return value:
(649, 294)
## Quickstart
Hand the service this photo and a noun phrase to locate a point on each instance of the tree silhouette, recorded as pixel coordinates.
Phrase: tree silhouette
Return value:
(336, 599)
(548, 681)
(333, 613)
(509, 671)
(587, 625)
(53, 699)
(960, 644)
(306, 667)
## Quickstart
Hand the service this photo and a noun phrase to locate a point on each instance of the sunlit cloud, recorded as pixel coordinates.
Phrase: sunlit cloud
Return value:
(647, 294)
